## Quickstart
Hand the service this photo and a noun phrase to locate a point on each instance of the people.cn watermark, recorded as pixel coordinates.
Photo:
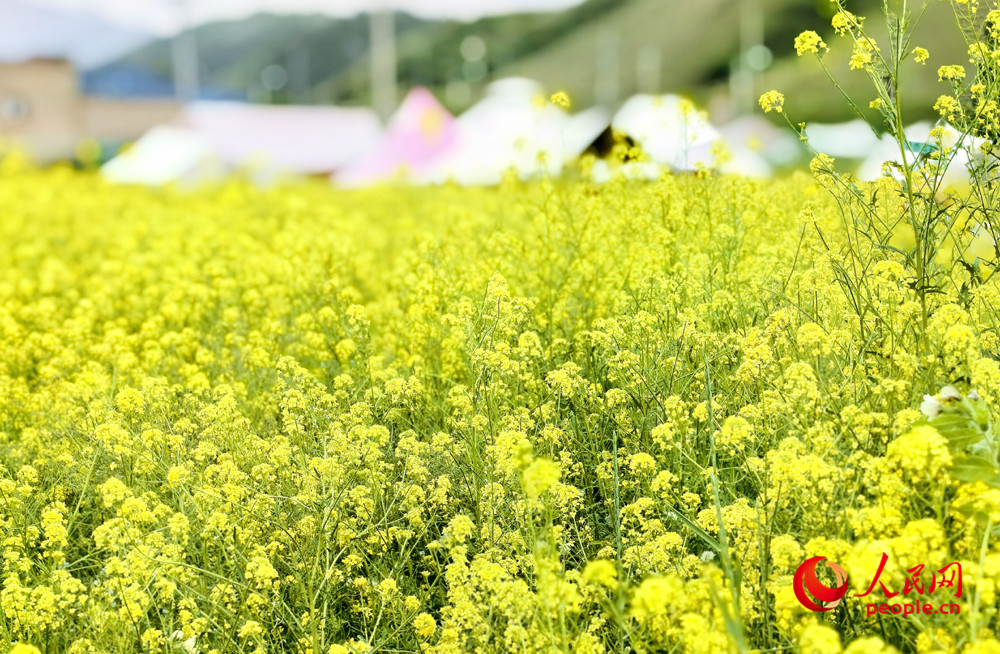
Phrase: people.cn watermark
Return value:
(817, 596)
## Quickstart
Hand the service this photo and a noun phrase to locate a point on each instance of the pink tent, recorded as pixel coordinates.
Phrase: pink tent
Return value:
(419, 131)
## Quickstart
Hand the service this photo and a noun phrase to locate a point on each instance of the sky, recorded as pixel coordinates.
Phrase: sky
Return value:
(162, 16)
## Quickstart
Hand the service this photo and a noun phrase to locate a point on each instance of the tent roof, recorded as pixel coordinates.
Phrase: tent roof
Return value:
(162, 155)
(667, 127)
(420, 130)
(513, 127)
(302, 139)
(852, 140)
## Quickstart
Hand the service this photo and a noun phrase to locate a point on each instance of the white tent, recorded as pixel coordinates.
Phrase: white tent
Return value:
(887, 149)
(583, 128)
(737, 160)
(672, 132)
(294, 139)
(778, 146)
(851, 140)
(669, 130)
(513, 127)
(163, 155)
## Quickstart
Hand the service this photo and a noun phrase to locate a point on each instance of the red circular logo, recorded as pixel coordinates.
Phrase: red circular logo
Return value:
(826, 598)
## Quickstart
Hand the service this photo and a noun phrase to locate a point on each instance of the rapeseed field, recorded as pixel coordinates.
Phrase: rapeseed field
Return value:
(546, 417)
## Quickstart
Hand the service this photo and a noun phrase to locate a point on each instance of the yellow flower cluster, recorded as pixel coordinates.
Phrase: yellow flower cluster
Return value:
(954, 73)
(864, 54)
(809, 41)
(844, 22)
(544, 417)
(560, 99)
(772, 100)
(948, 107)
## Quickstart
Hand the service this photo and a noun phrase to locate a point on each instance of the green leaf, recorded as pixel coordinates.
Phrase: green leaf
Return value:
(960, 431)
(973, 468)
(969, 509)
(918, 147)
(701, 533)
(980, 414)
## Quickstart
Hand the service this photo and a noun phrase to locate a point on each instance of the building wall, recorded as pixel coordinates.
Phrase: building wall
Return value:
(43, 111)
(108, 119)
(40, 107)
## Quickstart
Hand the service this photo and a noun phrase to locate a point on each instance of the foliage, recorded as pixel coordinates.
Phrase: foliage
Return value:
(931, 211)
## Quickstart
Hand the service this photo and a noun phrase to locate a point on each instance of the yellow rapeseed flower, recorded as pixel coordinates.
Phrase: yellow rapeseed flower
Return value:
(22, 648)
(948, 107)
(539, 476)
(844, 21)
(601, 572)
(772, 100)
(424, 625)
(561, 99)
(808, 41)
(954, 73)
(863, 54)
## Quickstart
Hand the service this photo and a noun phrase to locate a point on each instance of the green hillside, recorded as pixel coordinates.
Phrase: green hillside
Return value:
(431, 56)
(694, 42)
(233, 54)
(698, 41)
(811, 96)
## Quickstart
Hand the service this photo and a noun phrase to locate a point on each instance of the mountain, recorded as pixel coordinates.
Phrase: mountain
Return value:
(233, 55)
(433, 55)
(689, 45)
(697, 42)
(326, 59)
(28, 30)
(655, 45)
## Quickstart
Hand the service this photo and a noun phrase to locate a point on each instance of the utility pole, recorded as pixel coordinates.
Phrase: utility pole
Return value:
(383, 60)
(299, 89)
(647, 70)
(184, 55)
(607, 69)
(742, 74)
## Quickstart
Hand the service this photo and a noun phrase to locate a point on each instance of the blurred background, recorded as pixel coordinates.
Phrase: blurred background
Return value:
(370, 89)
